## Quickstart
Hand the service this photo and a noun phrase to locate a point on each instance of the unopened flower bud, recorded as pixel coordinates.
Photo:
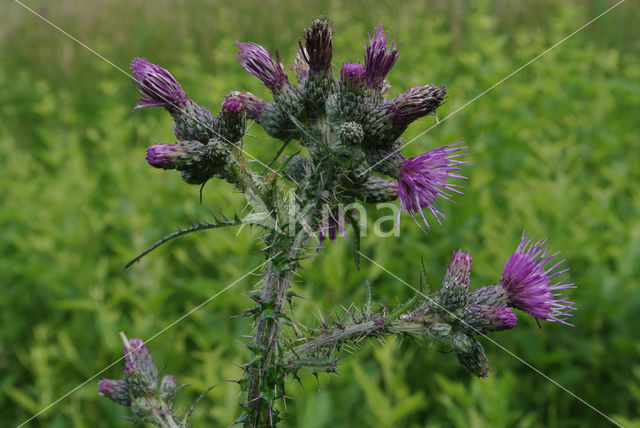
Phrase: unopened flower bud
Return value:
(168, 388)
(232, 120)
(350, 102)
(350, 133)
(479, 319)
(352, 75)
(455, 285)
(276, 122)
(474, 359)
(115, 390)
(140, 372)
(297, 168)
(181, 155)
(253, 105)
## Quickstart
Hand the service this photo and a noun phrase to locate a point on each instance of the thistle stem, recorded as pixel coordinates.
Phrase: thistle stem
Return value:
(261, 378)
(420, 322)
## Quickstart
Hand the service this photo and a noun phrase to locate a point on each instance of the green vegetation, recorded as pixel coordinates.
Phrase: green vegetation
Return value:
(554, 150)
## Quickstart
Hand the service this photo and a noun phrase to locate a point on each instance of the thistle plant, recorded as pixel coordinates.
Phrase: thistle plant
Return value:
(349, 134)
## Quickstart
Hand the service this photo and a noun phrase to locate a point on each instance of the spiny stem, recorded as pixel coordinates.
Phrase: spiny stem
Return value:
(274, 295)
(420, 322)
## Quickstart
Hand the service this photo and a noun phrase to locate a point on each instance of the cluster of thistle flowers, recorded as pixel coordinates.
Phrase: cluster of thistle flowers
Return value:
(141, 389)
(351, 130)
(531, 282)
(352, 134)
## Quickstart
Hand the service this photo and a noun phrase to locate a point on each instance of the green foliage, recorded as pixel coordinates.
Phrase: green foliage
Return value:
(554, 150)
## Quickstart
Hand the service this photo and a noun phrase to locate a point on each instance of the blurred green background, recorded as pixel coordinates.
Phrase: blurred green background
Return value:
(554, 150)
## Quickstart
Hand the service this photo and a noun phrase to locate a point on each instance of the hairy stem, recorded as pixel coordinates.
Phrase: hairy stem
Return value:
(419, 323)
(277, 278)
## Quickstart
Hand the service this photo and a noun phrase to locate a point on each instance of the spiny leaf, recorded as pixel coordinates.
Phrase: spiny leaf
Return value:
(217, 223)
(187, 416)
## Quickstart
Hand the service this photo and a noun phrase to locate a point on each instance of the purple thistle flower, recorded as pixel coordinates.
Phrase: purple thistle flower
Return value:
(254, 105)
(140, 372)
(485, 318)
(455, 284)
(318, 48)
(331, 225)
(232, 119)
(378, 58)
(459, 269)
(115, 390)
(162, 155)
(415, 103)
(257, 60)
(175, 155)
(529, 285)
(352, 74)
(500, 318)
(138, 361)
(157, 87)
(423, 178)
(232, 104)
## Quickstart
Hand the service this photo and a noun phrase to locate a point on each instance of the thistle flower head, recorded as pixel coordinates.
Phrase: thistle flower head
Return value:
(455, 284)
(140, 389)
(379, 58)
(168, 388)
(115, 390)
(350, 133)
(157, 87)
(486, 318)
(352, 74)
(139, 364)
(500, 318)
(423, 178)
(178, 155)
(232, 119)
(252, 104)
(459, 269)
(531, 286)
(232, 105)
(318, 48)
(415, 103)
(257, 60)
(471, 356)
